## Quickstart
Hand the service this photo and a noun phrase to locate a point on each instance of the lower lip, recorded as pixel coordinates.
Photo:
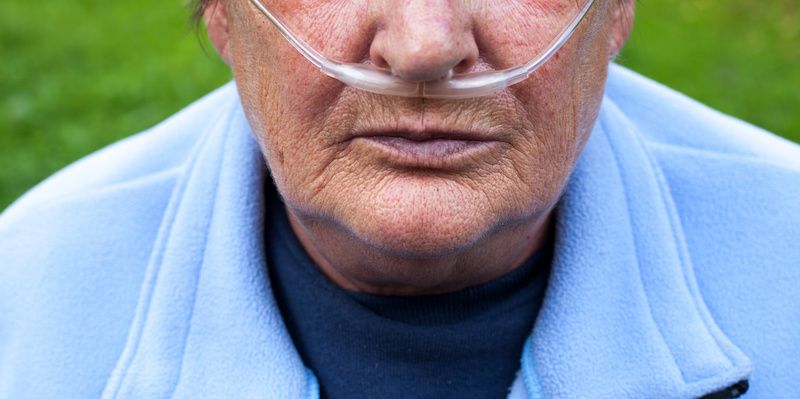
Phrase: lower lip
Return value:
(436, 153)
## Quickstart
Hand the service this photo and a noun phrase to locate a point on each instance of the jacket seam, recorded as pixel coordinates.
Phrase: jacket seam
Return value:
(200, 270)
(685, 260)
(154, 273)
(683, 252)
(637, 249)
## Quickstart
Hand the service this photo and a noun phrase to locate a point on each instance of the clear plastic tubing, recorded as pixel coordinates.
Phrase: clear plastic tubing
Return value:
(456, 86)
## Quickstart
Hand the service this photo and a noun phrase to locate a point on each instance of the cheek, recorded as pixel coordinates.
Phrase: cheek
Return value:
(301, 150)
(559, 105)
(566, 93)
(292, 108)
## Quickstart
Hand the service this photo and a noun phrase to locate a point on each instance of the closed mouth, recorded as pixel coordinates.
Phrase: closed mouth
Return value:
(427, 149)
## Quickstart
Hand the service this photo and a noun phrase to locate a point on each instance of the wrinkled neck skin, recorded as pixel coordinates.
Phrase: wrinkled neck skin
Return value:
(356, 265)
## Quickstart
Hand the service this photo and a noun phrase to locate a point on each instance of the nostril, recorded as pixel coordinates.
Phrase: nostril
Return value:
(465, 65)
(377, 52)
(380, 62)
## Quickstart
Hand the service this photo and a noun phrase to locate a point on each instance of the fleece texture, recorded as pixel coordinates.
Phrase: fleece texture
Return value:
(139, 271)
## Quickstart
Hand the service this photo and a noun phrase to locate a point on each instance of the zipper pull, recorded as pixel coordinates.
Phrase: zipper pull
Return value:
(734, 391)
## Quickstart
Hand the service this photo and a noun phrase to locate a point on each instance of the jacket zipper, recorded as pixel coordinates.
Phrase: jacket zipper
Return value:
(734, 391)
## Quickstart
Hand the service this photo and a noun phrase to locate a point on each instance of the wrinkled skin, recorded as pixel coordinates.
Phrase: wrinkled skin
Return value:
(377, 223)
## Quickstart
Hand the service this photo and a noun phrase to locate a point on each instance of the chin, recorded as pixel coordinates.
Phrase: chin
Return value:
(420, 220)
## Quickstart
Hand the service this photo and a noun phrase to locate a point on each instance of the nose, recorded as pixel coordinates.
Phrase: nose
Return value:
(425, 40)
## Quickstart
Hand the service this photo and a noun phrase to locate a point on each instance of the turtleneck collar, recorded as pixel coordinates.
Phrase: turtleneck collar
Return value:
(461, 344)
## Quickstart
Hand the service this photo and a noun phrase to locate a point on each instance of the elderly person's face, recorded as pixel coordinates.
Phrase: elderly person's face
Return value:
(409, 195)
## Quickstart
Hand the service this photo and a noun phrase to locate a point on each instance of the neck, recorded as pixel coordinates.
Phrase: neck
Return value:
(355, 265)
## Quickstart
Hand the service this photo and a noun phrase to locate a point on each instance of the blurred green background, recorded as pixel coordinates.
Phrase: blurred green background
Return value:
(76, 75)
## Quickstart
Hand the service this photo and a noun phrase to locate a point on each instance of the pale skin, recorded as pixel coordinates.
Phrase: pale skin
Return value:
(378, 222)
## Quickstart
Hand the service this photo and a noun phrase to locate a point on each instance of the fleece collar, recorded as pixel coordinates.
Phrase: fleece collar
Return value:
(206, 324)
(622, 316)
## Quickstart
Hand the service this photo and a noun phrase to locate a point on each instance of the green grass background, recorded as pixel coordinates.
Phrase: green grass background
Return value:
(76, 75)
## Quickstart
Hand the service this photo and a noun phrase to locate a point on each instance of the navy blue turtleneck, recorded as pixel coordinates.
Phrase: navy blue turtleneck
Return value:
(465, 344)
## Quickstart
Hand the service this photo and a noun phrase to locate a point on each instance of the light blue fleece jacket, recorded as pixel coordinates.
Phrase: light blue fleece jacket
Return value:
(138, 272)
